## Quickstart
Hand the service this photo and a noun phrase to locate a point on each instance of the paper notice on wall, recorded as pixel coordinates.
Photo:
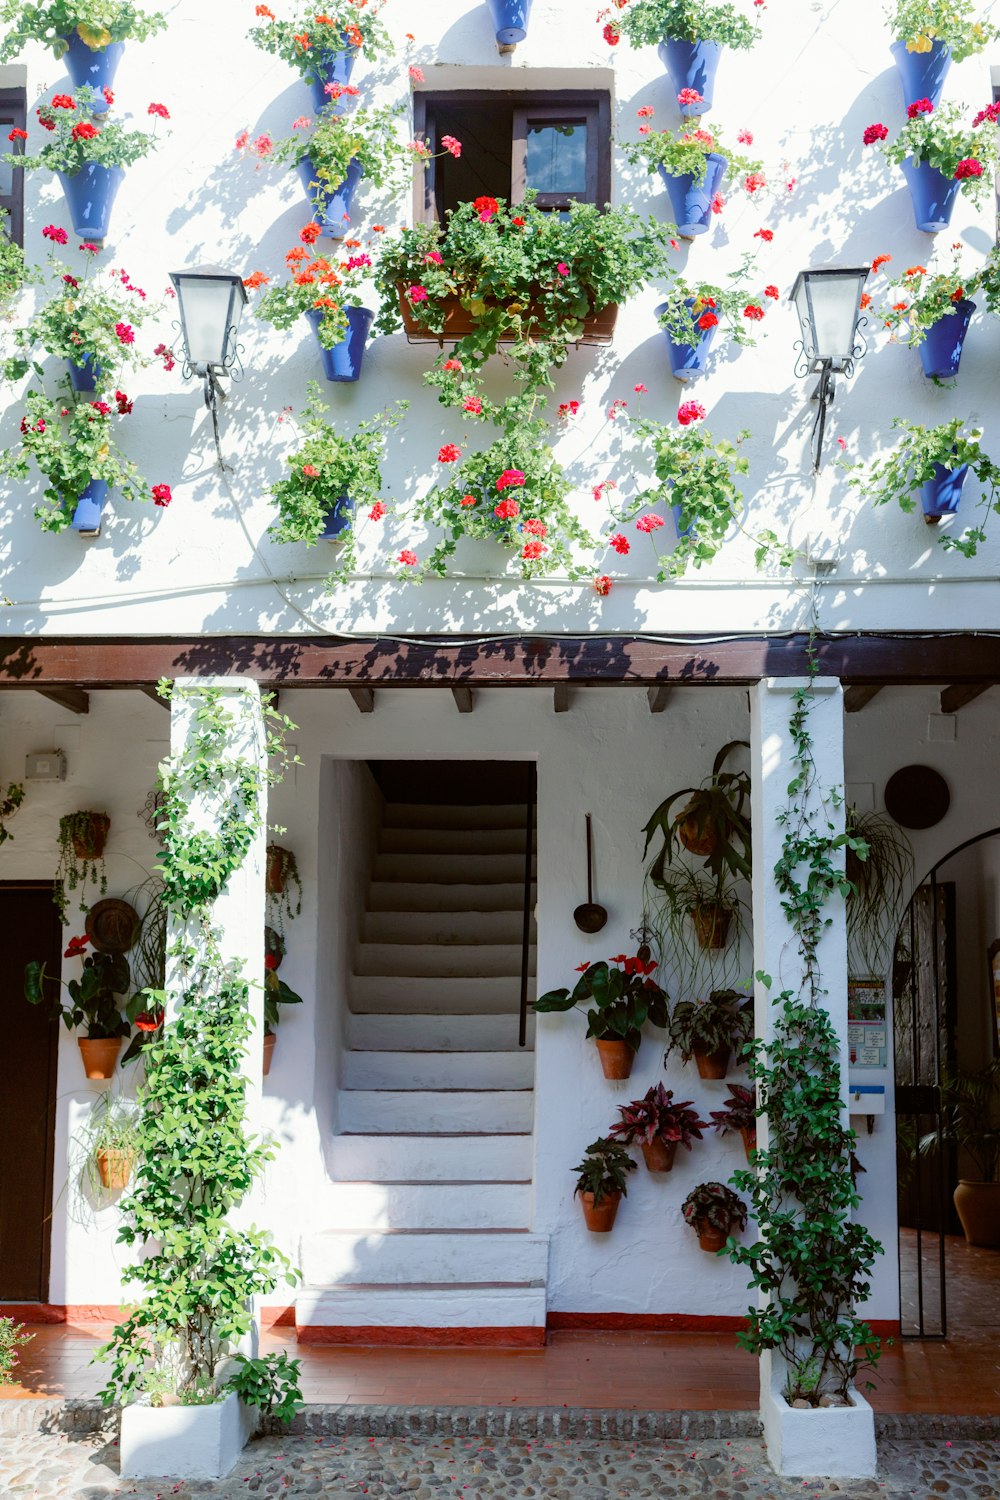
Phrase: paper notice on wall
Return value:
(867, 1035)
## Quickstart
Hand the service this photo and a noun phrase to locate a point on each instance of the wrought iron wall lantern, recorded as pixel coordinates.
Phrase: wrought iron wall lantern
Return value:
(211, 302)
(828, 303)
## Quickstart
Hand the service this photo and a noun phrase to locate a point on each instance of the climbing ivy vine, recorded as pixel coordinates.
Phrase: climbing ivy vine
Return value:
(197, 1162)
(811, 1261)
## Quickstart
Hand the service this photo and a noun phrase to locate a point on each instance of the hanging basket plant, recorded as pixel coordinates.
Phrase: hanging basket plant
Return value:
(323, 43)
(940, 156)
(82, 837)
(713, 822)
(63, 25)
(328, 295)
(930, 312)
(108, 1146)
(695, 311)
(646, 23)
(281, 879)
(696, 166)
(878, 862)
(92, 1003)
(930, 34)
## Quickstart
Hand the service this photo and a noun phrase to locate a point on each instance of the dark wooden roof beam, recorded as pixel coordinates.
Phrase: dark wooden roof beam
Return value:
(73, 698)
(657, 697)
(364, 699)
(464, 700)
(858, 697)
(560, 697)
(956, 697)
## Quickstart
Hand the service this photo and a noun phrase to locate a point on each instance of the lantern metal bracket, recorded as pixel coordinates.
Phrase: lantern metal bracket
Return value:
(807, 364)
(210, 375)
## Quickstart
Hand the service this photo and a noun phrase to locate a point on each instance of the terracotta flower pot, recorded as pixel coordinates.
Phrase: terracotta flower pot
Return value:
(711, 1064)
(598, 327)
(696, 837)
(749, 1134)
(712, 922)
(274, 875)
(616, 1058)
(115, 1168)
(100, 1055)
(89, 842)
(600, 1217)
(269, 1041)
(659, 1157)
(978, 1207)
(712, 1240)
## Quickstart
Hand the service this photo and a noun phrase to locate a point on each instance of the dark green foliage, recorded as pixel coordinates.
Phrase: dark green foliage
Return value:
(623, 999)
(604, 1170)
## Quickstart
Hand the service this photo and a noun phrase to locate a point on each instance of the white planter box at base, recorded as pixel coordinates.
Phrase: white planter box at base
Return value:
(184, 1442)
(834, 1442)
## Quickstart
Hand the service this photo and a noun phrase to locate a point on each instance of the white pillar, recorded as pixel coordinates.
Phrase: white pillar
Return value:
(836, 1442)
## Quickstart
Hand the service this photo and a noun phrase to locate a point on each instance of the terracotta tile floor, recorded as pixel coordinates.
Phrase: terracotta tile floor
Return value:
(643, 1371)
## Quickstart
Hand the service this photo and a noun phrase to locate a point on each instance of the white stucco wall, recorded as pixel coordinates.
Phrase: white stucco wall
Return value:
(819, 74)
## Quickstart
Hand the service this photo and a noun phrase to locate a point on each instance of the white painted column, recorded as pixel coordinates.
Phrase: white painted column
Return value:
(836, 1442)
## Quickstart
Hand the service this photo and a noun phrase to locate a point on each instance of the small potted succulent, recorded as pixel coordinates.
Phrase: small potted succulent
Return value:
(694, 311)
(82, 838)
(10, 801)
(323, 44)
(929, 35)
(709, 1030)
(939, 156)
(92, 1003)
(89, 35)
(327, 294)
(89, 155)
(276, 992)
(622, 999)
(713, 822)
(602, 1183)
(739, 1113)
(108, 1144)
(712, 1210)
(695, 166)
(659, 1125)
(934, 310)
(932, 463)
(690, 35)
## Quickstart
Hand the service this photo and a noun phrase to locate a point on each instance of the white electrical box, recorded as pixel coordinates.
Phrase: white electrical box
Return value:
(866, 1098)
(45, 765)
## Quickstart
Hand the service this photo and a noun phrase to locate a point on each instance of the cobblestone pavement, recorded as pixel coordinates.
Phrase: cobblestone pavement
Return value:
(85, 1467)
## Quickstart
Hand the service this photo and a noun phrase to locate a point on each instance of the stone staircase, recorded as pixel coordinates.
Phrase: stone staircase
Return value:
(429, 1240)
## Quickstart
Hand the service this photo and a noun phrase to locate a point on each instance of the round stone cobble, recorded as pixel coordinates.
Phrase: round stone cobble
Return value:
(85, 1467)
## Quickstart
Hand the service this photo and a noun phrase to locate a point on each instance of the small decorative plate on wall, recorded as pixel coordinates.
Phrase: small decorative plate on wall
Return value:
(112, 925)
(917, 796)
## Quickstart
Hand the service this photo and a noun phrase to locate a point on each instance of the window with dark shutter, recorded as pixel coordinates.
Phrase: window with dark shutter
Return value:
(13, 113)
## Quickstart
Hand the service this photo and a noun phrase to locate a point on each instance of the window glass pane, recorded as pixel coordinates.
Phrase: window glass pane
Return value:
(557, 157)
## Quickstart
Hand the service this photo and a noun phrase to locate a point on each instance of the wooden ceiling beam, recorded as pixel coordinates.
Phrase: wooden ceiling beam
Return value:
(73, 698)
(858, 697)
(560, 697)
(364, 699)
(464, 701)
(154, 696)
(658, 698)
(956, 697)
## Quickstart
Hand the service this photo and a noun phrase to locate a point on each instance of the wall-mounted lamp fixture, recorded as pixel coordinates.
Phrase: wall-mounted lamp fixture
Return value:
(829, 307)
(211, 302)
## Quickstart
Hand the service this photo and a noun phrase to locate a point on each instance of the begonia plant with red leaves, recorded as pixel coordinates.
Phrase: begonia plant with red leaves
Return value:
(97, 23)
(941, 138)
(645, 23)
(316, 30)
(656, 1116)
(622, 996)
(919, 298)
(80, 135)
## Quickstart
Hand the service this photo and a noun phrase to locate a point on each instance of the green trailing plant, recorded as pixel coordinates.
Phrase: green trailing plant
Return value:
(656, 1116)
(623, 999)
(712, 304)
(738, 1112)
(10, 801)
(97, 23)
(919, 298)
(941, 138)
(80, 135)
(723, 1022)
(922, 452)
(645, 23)
(989, 280)
(368, 136)
(970, 1118)
(712, 823)
(82, 836)
(110, 1130)
(283, 885)
(957, 23)
(880, 873)
(308, 38)
(604, 1170)
(812, 1262)
(684, 150)
(270, 1383)
(199, 1270)
(12, 1338)
(313, 285)
(93, 1001)
(712, 1205)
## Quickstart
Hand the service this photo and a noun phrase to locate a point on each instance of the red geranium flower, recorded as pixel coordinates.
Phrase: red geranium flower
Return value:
(753, 312)
(970, 166)
(159, 109)
(875, 133)
(690, 411)
(919, 107)
(408, 558)
(510, 477)
(63, 101)
(602, 584)
(620, 543)
(449, 454)
(162, 494)
(486, 207)
(507, 510)
(84, 131)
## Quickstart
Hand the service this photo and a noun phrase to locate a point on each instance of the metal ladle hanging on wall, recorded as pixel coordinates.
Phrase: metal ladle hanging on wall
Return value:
(590, 917)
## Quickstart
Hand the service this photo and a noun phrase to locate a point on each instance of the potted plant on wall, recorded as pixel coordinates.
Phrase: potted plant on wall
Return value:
(712, 824)
(970, 1123)
(713, 1212)
(107, 1145)
(929, 34)
(15, 273)
(690, 35)
(602, 1183)
(933, 310)
(89, 35)
(694, 311)
(92, 1003)
(659, 1125)
(932, 463)
(337, 152)
(739, 1114)
(89, 155)
(281, 874)
(710, 1030)
(878, 862)
(623, 999)
(323, 44)
(939, 156)
(695, 166)
(10, 801)
(82, 839)
(327, 294)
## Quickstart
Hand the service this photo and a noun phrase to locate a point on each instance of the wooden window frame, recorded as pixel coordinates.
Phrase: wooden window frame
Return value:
(535, 104)
(13, 116)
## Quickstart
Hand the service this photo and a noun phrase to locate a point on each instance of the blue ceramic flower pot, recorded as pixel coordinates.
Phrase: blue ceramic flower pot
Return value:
(90, 196)
(691, 65)
(678, 515)
(932, 193)
(691, 201)
(510, 20)
(343, 362)
(922, 74)
(332, 67)
(940, 495)
(338, 518)
(687, 360)
(87, 516)
(941, 350)
(93, 69)
(331, 210)
(84, 376)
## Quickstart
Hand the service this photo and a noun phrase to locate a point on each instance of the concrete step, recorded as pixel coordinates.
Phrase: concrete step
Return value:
(453, 815)
(428, 895)
(433, 927)
(454, 840)
(438, 1070)
(421, 1032)
(377, 994)
(444, 869)
(451, 959)
(425, 1158)
(480, 1305)
(380, 1206)
(346, 1258)
(432, 1111)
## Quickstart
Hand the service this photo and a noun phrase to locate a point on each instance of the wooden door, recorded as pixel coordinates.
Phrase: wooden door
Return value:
(30, 926)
